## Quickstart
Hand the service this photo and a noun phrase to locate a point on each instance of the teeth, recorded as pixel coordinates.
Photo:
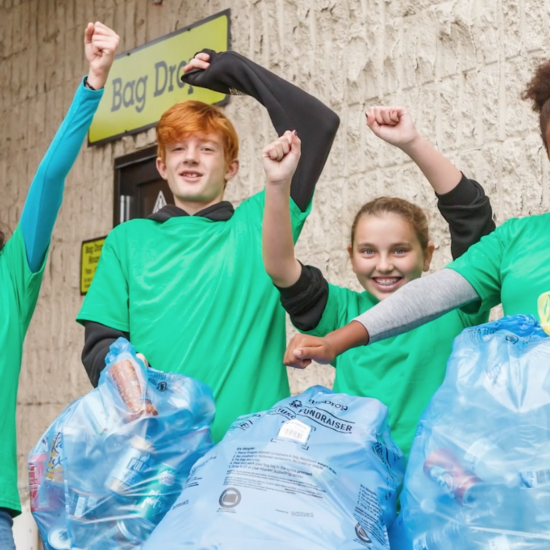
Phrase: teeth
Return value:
(387, 282)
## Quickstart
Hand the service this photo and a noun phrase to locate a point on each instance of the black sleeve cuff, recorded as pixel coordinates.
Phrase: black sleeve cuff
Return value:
(97, 340)
(466, 192)
(305, 300)
(468, 212)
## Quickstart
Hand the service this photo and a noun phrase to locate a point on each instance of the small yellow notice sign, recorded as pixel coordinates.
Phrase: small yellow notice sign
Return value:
(144, 82)
(89, 257)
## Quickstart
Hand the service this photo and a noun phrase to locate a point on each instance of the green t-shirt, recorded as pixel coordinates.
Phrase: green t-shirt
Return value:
(511, 265)
(402, 372)
(194, 296)
(19, 289)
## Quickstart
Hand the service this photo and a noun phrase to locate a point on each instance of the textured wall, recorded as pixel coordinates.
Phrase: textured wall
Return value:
(459, 66)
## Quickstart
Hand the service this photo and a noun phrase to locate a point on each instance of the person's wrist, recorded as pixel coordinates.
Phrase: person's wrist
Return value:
(96, 80)
(279, 183)
(352, 335)
(413, 146)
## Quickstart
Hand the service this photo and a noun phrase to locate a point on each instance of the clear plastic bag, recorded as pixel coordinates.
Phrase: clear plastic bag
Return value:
(317, 471)
(111, 465)
(479, 470)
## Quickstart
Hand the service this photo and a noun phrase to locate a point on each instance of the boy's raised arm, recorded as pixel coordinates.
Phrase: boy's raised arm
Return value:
(289, 108)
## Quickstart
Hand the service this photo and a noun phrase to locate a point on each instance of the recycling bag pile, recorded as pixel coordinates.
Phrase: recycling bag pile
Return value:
(317, 471)
(109, 467)
(479, 470)
(131, 464)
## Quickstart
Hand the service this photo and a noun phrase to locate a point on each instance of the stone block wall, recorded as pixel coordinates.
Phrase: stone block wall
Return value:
(459, 66)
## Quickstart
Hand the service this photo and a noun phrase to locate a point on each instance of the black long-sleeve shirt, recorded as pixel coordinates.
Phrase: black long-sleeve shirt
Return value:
(466, 209)
(289, 108)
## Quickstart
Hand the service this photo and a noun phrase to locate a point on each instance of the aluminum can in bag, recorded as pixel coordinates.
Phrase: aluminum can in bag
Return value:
(130, 470)
(444, 468)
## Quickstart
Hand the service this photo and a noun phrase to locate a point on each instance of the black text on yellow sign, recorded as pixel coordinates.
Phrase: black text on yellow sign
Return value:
(144, 82)
(89, 258)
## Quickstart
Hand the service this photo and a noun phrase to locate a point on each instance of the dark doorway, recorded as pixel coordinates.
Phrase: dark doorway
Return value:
(139, 189)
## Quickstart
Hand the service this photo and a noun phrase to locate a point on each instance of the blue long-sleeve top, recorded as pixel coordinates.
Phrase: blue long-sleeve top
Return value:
(46, 191)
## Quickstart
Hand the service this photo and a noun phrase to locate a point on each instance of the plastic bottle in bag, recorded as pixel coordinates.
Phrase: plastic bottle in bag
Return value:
(113, 462)
(452, 536)
(487, 461)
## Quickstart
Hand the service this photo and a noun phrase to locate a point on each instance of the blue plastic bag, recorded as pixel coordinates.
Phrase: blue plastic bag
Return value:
(479, 470)
(317, 471)
(111, 465)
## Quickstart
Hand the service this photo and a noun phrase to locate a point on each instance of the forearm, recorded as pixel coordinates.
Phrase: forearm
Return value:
(46, 191)
(417, 303)
(440, 172)
(278, 245)
(289, 108)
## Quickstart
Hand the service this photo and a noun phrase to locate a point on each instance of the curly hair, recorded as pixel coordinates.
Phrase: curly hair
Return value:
(538, 92)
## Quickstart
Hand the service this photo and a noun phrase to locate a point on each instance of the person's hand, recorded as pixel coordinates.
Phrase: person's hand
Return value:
(392, 124)
(280, 158)
(143, 358)
(100, 44)
(200, 61)
(303, 349)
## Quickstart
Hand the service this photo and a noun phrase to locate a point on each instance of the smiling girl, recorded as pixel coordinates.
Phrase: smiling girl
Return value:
(389, 247)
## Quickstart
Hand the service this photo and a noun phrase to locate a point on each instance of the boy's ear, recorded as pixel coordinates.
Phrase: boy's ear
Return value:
(231, 170)
(161, 167)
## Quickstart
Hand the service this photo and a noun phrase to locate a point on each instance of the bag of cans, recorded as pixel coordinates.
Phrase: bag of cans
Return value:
(479, 470)
(318, 471)
(109, 467)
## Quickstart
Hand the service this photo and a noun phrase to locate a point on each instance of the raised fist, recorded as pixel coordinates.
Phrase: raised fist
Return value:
(100, 44)
(392, 124)
(280, 158)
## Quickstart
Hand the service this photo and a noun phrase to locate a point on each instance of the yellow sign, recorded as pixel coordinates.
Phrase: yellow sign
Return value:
(144, 82)
(89, 257)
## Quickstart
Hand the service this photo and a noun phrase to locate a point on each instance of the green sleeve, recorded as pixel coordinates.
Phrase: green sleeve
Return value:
(108, 298)
(336, 312)
(298, 218)
(25, 283)
(481, 266)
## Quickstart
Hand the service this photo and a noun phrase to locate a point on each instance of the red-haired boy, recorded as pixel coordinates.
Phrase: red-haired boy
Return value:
(187, 286)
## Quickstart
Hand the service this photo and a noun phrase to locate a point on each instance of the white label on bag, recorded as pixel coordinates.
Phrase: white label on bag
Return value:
(536, 478)
(294, 429)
